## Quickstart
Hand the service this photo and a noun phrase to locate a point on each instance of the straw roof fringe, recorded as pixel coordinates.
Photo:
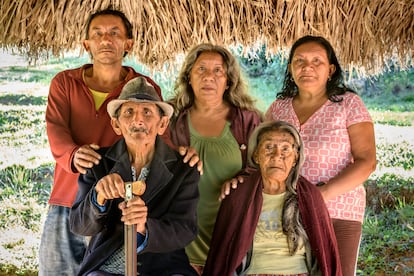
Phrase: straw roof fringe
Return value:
(365, 33)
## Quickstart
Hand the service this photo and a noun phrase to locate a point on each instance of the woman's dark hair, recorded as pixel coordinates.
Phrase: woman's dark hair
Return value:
(335, 85)
(127, 23)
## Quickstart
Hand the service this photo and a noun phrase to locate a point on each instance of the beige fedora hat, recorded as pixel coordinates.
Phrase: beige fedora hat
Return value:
(138, 90)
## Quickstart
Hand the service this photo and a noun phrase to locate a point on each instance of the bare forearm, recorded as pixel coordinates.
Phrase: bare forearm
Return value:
(350, 178)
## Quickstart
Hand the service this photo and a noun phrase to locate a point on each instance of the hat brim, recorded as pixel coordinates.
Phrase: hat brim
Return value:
(113, 106)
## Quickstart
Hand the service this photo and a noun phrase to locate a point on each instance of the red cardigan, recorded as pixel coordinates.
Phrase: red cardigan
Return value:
(237, 220)
(72, 121)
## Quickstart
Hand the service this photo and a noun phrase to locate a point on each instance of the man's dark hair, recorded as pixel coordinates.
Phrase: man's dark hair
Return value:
(127, 23)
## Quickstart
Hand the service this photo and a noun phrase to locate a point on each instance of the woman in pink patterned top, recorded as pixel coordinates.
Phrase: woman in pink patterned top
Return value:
(338, 137)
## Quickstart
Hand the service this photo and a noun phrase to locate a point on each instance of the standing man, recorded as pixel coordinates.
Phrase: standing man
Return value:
(77, 125)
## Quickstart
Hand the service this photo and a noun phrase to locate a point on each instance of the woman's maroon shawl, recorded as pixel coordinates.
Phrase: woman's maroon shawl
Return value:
(237, 220)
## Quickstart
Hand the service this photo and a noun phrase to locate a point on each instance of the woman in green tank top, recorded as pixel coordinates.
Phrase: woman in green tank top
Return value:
(215, 115)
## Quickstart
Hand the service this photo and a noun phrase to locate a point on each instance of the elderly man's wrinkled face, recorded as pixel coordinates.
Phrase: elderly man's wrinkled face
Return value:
(276, 155)
(139, 122)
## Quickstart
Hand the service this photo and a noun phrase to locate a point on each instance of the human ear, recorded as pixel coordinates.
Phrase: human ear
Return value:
(163, 125)
(128, 45)
(115, 126)
(332, 69)
(85, 45)
(256, 157)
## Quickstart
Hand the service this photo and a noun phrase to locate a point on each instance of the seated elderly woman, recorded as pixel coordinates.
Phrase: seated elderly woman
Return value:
(276, 222)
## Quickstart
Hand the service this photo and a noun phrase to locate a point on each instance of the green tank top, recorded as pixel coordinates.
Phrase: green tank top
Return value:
(221, 161)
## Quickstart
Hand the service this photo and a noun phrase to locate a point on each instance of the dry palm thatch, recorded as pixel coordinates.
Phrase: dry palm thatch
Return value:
(365, 33)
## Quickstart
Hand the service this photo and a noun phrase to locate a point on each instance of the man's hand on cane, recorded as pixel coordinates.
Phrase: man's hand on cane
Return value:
(134, 212)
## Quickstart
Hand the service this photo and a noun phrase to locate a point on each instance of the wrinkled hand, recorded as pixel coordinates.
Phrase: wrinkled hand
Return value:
(134, 212)
(191, 156)
(86, 157)
(228, 185)
(108, 187)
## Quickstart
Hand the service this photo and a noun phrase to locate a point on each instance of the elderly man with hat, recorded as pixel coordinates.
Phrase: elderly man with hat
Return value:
(164, 215)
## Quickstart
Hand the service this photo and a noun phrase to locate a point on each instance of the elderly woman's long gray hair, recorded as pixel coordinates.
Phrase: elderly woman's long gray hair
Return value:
(291, 221)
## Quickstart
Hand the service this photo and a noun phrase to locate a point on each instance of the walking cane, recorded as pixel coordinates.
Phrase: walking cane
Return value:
(130, 231)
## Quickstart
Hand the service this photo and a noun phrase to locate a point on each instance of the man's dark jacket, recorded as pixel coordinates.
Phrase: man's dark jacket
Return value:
(171, 196)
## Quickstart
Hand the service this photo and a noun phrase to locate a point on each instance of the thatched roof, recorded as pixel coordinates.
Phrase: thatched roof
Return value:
(364, 33)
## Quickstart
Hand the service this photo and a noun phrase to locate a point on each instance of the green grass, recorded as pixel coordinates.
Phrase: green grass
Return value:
(22, 192)
(396, 155)
(23, 196)
(388, 229)
(42, 72)
(388, 241)
(11, 99)
(388, 234)
(395, 118)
